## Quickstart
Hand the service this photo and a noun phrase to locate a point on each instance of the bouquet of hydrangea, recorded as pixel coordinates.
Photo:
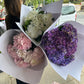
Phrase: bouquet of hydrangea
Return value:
(60, 44)
(36, 23)
(24, 52)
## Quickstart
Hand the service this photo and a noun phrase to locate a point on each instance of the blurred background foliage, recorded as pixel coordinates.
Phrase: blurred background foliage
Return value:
(73, 1)
(39, 3)
(2, 3)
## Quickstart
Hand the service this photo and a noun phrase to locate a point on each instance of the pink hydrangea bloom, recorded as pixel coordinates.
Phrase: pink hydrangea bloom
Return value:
(28, 57)
(19, 62)
(21, 42)
(22, 57)
(37, 53)
(33, 58)
(12, 51)
(37, 56)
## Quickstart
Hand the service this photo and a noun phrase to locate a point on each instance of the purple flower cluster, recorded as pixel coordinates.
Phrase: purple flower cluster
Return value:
(60, 44)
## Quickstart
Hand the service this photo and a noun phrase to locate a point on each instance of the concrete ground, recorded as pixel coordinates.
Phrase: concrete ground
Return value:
(6, 79)
(50, 76)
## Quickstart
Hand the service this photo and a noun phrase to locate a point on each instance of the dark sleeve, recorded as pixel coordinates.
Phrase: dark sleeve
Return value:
(10, 22)
(20, 82)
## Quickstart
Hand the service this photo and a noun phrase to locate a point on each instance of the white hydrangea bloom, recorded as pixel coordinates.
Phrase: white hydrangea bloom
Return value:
(31, 15)
(39, 23)
(47, 19)
(33, 32)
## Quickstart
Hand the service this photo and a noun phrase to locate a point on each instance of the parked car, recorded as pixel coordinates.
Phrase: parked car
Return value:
(68, 13)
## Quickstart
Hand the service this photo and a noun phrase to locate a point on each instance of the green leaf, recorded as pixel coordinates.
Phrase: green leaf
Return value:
(53, 19)
(38, 39)
(60, 27)
(27, 22)
(41, 12)
(0, 52)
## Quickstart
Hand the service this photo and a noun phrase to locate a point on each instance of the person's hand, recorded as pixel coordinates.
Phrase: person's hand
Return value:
(55, 83)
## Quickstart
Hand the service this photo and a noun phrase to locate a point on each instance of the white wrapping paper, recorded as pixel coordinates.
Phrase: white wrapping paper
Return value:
(74, 68)
(29, 75)
(53, 8)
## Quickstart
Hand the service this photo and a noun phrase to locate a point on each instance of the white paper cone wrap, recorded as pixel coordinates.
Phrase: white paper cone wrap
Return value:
(53, 8)
(29, 75)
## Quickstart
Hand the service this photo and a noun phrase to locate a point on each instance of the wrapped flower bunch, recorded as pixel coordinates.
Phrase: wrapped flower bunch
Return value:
(1, 31)
(24, 52)
(60, 44)
(36, 23)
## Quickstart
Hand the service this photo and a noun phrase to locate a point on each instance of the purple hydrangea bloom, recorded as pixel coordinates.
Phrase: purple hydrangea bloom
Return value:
(60, 44)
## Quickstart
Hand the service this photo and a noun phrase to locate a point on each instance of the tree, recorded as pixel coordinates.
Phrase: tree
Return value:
(37, 3)
(1, 3)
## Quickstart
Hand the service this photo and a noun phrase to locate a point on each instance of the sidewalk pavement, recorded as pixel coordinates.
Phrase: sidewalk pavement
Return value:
(6, 79)
(50, 76)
